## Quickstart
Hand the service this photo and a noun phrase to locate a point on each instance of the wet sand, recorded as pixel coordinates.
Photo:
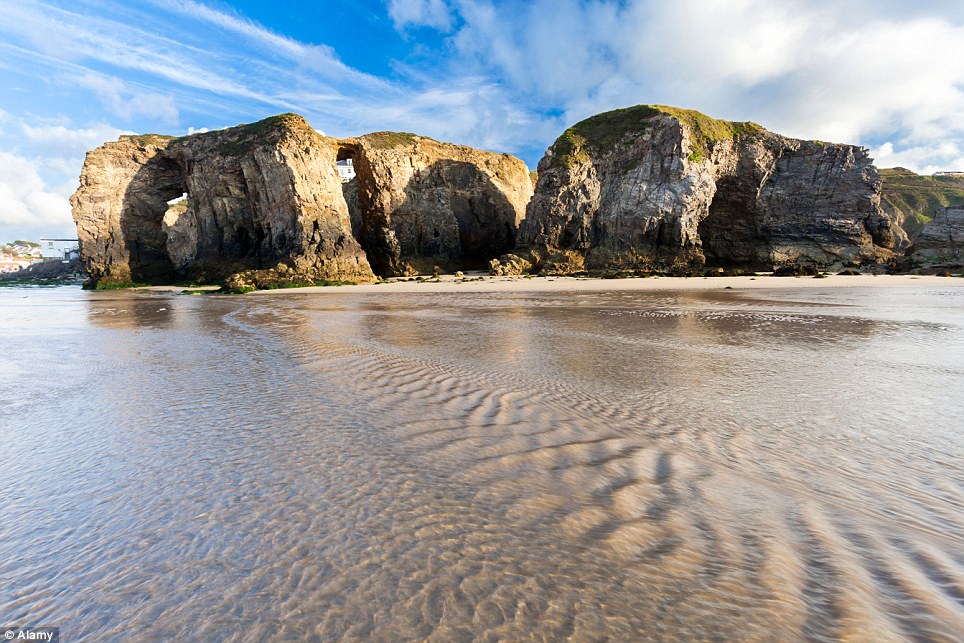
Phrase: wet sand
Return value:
(472, 284)
(664, 464)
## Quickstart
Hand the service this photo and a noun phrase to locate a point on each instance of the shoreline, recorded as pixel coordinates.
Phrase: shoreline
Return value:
(517, 284)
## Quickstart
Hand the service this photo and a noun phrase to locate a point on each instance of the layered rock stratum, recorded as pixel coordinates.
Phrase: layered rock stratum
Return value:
(653, 187)
(262, 204)
(941, 240)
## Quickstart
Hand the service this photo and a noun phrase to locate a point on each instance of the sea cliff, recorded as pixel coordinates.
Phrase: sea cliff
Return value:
(262, 204)
(667, 189)
(642, 189)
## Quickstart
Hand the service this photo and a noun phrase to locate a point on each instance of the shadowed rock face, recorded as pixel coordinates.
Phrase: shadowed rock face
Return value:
(265, 205)
(655, 187)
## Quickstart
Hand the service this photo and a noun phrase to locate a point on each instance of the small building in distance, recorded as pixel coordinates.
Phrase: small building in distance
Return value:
(60, 249)
(346, 171)
(9, 263)
(18, 255)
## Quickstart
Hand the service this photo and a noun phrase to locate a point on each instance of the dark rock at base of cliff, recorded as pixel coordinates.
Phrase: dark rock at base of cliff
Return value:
(796, 270)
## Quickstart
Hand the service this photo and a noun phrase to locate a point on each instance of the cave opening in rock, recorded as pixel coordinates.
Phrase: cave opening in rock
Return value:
(345, 165)
(730, 234)
(158, 187)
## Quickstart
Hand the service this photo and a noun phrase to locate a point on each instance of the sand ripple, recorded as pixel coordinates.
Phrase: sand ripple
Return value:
(454, 467)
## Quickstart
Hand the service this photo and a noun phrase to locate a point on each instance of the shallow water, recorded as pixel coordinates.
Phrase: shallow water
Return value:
(696, 465)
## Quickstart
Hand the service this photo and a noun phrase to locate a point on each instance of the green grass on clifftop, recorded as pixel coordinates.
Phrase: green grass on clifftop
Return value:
(386, 140)
(705, 131)
(599, 134)
(240, 139)
(148, 139)
(919, 197)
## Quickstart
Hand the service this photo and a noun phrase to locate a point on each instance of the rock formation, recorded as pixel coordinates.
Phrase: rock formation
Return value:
(422, 203)
(665, 188)
(941, 241)
(914, 199)
(262, 204)
(643, 188)
(264, 196)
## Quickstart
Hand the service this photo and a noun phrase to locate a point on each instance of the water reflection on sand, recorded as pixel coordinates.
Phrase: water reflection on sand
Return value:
(663, 465)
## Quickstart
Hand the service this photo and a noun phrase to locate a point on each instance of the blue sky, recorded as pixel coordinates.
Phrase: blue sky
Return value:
(496, 74)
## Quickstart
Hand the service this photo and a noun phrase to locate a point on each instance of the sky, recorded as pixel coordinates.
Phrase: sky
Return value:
(502, 75)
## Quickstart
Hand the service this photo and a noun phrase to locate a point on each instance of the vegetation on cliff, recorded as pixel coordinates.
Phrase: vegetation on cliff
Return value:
(148, 139)
(601, 133)
(386, 140)
(919, 198)
(705, 131)
(238, 140)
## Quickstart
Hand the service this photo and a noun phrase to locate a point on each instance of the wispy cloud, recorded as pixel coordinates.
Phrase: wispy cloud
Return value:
(68, 142)
(421, 13)
(115, 94)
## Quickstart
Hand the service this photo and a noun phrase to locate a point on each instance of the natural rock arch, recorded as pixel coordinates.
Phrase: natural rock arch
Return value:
(265, 204)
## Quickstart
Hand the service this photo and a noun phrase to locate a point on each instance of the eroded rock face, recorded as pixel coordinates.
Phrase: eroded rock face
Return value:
(261, 197)
(941, 241)
(119, 207)
(422, 203)
(265, 206)
(664, 188)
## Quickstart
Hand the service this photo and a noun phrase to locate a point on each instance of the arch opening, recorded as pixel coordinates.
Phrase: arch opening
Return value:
(731, 234)
(158, 186)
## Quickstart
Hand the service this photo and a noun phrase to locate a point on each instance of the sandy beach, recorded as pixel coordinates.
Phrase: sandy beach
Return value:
(535, 458)
(488, 283)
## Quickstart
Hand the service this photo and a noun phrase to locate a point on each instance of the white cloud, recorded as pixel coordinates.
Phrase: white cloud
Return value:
(925, 160)
(126, 103)
(66, 141)
(818, 69)
(26, 201)
(421, 13)
(40, 172)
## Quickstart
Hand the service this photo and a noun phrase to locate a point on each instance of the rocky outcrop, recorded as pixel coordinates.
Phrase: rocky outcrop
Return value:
(262, 204)
(664, 188)
(421, 203)
(941, 241)
(263, 197)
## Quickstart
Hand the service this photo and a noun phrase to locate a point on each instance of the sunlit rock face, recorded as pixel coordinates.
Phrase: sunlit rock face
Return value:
(653, 187)
(265, 201)
(264, 196)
